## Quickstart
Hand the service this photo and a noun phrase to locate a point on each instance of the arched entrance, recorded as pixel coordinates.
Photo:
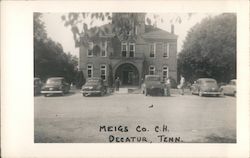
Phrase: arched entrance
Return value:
(128, 74)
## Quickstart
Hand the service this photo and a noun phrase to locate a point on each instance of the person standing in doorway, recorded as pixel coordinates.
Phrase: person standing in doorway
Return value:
(182, 85)
(117, 84)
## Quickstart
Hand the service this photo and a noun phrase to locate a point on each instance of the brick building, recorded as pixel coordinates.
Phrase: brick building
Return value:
(146, 50)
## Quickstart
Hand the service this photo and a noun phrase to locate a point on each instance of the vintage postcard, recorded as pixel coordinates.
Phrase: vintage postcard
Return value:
(105, 78)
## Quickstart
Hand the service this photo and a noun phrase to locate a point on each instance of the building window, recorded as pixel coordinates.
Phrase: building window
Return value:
(152, 50)
(131, 50)
(104, 48)
(151, 70)
(124, 49)
(103, 71)
(165, 72)
(166, 50)
(90, 70)
(90, 49)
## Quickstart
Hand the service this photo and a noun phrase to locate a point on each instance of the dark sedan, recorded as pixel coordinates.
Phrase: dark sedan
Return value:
(94, 85)
(153, 85)
(55, 85)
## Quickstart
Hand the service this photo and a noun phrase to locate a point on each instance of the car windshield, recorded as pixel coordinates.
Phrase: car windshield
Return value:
(153, 79)
(210, 82)
(54, 81)
(92, 82)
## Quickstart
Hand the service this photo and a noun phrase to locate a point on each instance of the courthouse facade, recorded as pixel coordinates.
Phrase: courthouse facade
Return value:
(146, 50)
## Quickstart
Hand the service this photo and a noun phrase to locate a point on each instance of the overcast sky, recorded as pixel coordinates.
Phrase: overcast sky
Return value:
(59, 33)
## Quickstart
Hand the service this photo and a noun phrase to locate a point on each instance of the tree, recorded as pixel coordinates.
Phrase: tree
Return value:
(209, 49)
(49, 58)
(123, 22)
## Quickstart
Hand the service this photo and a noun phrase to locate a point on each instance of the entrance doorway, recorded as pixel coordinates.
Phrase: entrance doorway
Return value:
(128, 75)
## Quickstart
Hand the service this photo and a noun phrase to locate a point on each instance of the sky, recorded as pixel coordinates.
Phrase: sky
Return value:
(59, 33)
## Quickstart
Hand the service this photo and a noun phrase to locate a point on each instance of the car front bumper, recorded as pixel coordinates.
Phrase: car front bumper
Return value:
(211, 93)
(155, 90)
(91, 92)
(52, 92)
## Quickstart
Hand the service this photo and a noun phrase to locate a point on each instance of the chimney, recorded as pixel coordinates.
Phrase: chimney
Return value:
(172, 29)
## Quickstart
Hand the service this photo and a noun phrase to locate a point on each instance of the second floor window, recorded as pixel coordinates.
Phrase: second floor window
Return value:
(151, 70)
(152, 50)
(131, 50)
(124, 49)
(104, 48)
(166, 50)
(90, 70)
(90, 49)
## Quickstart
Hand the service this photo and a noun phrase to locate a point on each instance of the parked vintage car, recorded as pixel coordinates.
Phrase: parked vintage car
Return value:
(55, 85)
(205, 86)
(229, 89)
(94, 85)
(153, 85)
(37, 86)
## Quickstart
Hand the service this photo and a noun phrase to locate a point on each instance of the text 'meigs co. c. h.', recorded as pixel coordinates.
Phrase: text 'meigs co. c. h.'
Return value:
(139, 134)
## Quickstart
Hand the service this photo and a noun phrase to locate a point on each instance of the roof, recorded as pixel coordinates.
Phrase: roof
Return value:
(150, 32)
(159, 34)
(207, 79)
(56, 78)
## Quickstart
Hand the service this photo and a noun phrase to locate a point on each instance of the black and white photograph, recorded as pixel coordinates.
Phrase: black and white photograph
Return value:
(125, 79)
(135, 77)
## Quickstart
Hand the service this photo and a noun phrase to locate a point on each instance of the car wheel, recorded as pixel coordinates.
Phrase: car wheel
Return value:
(234, 94)
(200, 94)
(45, 95)
(83, 95)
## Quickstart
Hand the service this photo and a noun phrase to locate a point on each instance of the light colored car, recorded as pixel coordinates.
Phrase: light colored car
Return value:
(55, 85)
(205, 86)
(153, 85)
(94, 85)
(229, 89)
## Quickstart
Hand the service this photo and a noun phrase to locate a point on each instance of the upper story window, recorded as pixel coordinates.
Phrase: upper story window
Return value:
(90, 49)
(104, 48)
(103, 70)
(124, 49)
(151, 70)
(165, 71)
(131, 49)
(90, 70)
(152, 50)
(166, 50)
